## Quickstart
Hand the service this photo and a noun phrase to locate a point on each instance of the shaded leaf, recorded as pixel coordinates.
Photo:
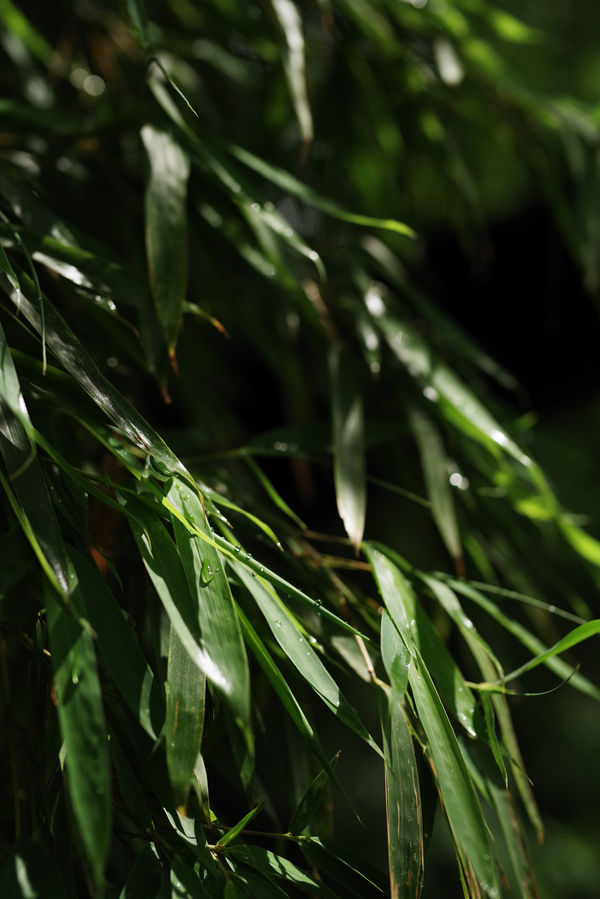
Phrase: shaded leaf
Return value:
(83, 729)
(166, 228)
(312, 800)
(290, 22)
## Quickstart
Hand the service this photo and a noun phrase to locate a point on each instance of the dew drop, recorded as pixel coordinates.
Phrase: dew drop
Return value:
(237, 549)
(278, 623)
(206, 573)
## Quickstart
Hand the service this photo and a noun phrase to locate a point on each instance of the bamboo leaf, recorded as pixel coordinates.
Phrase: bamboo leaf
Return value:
(117, 645)
(295, 187)
(217, 615)
(312, 800)
(166, 228)
(64, 345)
(144, 879)
(456, 789)
(403, 801)
(30, 872)
(348, 445)
(433, 461)
(290, 23)
(83, 729)
(239, 827)
(26, 489)
(185, 718)
(577, 635)
(296, 646)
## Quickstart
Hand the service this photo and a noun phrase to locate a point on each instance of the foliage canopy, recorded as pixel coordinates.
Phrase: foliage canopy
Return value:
(216, 310)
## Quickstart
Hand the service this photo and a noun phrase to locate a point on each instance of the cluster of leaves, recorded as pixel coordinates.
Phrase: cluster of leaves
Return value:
(170, 627)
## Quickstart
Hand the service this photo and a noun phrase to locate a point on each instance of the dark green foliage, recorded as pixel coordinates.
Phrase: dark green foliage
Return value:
(218, 324)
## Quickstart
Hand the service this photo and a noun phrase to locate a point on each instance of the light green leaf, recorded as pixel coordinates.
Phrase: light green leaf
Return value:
(295, 187)
(30, 872)
(348, 444)
(83, 729)
(577, 635)
(166, 228)
(241, 824)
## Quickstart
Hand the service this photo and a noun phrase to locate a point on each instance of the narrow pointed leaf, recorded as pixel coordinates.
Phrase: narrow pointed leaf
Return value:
(296, 646)
(186, 685)
(238, 828)
(117, 645)
(312, 800)
(348, 445)
(83, 729)
(433, 461)
(295, 187)
(26, 489)
(290, 22)
(456, 788)
(30, 872)
(403, 799)
(64, 345)
(217, 615)
(166, 228)
(577, 635)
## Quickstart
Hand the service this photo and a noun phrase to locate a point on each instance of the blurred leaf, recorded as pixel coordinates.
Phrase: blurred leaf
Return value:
(290, 23)
(166, 228)
(144, 879)
(30, 872)
(348, 445)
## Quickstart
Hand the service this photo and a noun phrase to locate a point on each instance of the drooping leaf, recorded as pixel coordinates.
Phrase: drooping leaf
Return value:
(186, 685)
(348, 445)
(296, 645)
(311, 801)
(166, 228)
(208, 584)
(290, 23)
(433, 461)
(83, 729)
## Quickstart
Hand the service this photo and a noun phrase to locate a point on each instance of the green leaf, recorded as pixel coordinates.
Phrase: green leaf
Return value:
(276, 866)
(295, 187)
(26, 488)
(455, 785)
(435, 469)
(239, 827)
(408, 613)
(312, 800)
(403, 799)
(64, 345)
(577, 635)
(296, 645)
(290, 23)
(348, 444)
(344, 866)
(186, 685)
(83, 729)
(117, 645)
(166, 228)
(217, 615)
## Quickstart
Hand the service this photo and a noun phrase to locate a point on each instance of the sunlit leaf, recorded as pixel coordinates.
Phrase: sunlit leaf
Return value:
(290, 22)
(348, 445)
